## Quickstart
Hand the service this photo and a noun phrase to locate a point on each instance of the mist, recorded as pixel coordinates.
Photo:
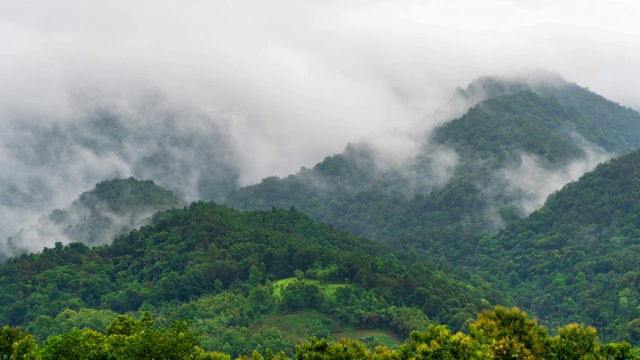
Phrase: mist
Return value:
(203, 97)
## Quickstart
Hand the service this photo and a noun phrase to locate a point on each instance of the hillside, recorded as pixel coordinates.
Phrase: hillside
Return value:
(576, 258)
(225, 269)
(96, 216)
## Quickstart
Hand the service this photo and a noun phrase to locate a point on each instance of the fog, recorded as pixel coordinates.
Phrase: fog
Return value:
(204, 96)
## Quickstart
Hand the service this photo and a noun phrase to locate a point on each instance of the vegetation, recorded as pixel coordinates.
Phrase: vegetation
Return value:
(275, 284)
(97, 216)
(497, 334)
(576, 258)
(226, 269)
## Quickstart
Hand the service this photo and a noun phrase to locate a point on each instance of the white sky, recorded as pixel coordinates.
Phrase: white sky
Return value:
(297, 80)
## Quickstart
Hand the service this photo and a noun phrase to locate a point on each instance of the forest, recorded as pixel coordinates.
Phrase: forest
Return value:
(348, 259)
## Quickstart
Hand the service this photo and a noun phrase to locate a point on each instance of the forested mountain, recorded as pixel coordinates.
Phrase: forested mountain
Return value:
(225, 270)
(576, 259)
(523, 139)
(457, 228)
(96, 217)
(142, 133)
(619, 124)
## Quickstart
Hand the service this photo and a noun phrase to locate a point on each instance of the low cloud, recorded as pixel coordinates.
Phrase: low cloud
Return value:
(531, 182)
(204, 96)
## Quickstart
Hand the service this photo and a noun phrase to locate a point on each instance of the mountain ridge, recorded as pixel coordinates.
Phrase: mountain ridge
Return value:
(523, 129)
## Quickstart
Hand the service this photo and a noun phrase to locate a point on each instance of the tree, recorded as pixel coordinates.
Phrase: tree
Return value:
(510, 333)
(345, 349)
(8, 336)
(302, 294)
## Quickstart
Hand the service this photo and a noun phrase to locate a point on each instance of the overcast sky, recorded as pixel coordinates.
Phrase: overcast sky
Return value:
(297, 80)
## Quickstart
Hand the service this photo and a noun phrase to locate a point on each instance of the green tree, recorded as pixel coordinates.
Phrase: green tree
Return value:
(8, 336)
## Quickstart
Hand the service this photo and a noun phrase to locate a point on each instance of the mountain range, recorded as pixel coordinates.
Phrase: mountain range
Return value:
(528, 198)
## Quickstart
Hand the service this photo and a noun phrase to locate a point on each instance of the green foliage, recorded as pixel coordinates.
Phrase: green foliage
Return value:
(619, 125)
(8, 336)
(24, 349)
(302, 294)
(497, 334)
(119, 204)
(125, 339)
(320, 349)
(502, 128)
(93, 319)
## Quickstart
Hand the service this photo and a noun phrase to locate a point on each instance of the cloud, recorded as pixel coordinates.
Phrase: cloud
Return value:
(262, 88)
(529, 182)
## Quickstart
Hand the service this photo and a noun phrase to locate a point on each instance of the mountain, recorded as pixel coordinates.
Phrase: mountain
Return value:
(97, 216)
(49, 159)
(228, 270)
(576, 258)
(521, 139)
(618, 123)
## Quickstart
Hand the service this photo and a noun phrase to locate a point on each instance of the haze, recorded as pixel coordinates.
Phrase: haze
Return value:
(262, 88)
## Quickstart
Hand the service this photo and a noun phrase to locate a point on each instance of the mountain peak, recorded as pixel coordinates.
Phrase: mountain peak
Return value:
(490, 86)
(96, 216)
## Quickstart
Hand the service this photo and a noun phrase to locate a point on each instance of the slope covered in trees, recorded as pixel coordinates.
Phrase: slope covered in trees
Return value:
(218, 267)
(576, 258)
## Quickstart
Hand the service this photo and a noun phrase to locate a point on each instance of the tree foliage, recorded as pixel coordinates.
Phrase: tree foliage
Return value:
(497, 334)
